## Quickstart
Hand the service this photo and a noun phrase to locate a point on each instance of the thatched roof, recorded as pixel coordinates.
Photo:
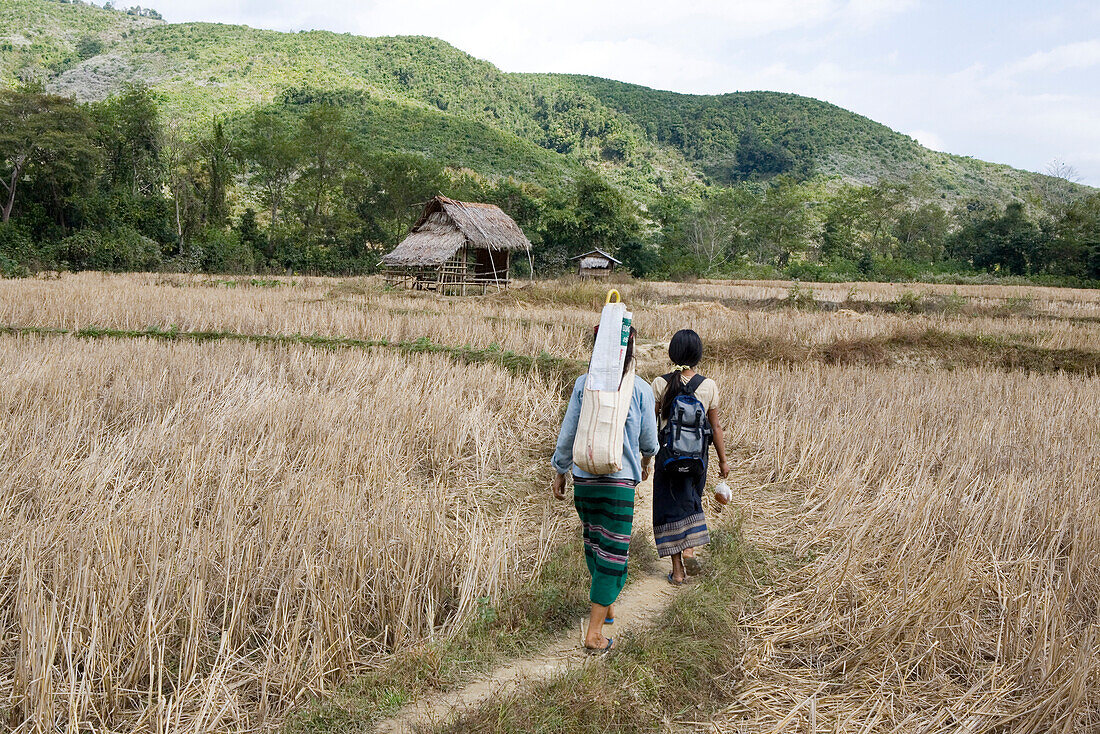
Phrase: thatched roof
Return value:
(446, 225)
(596, 259)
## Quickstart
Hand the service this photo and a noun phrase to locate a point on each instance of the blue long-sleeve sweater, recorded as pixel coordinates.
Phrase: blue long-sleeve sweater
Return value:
(639, 436)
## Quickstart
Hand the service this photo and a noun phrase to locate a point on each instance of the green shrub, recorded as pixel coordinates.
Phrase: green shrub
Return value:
(890, 270)
(11, 269)
(75, 251)
(15, 244)
(836, 270)
(118, 250)
(223, 252)
(909, 302)
(88, 46)
(802, 298)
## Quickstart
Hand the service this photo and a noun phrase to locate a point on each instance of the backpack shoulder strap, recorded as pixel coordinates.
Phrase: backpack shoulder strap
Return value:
(693, 385)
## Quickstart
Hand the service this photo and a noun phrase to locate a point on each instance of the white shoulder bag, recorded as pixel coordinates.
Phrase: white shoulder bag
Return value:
(598, 447)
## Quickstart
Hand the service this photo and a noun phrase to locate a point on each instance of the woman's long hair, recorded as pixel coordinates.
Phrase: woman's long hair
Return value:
(629, 351)
(685, 350)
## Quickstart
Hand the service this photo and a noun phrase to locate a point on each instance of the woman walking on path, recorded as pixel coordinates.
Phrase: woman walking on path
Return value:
(678, 521)
(605, 504)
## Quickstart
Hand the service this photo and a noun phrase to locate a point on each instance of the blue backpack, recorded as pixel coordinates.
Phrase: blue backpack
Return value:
(685, 439)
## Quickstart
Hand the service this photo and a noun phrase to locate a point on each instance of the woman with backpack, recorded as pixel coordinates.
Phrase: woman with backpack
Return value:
(605, 503)
(687, 410)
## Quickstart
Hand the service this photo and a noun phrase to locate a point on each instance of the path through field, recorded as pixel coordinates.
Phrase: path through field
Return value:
(640, 603)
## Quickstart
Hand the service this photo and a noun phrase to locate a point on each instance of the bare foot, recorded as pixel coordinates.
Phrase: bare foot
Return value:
(678, 572)
(599, 642)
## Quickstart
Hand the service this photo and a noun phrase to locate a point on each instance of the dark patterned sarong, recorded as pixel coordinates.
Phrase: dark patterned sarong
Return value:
(678, 519)
(606, 509)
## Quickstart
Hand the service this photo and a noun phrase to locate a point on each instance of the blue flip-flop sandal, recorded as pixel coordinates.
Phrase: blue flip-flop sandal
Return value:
(601, 650)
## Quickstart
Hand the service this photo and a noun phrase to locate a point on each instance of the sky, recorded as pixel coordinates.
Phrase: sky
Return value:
(1011, 82)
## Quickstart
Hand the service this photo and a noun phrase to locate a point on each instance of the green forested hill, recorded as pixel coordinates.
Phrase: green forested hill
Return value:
(820, 137)
(134, 143)
(426, 96)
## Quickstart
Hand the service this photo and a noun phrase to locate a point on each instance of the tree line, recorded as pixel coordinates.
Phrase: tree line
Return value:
(293, 186)
(816, 230)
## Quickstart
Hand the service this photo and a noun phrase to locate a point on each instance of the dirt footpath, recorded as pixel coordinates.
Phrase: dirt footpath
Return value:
(638, 606)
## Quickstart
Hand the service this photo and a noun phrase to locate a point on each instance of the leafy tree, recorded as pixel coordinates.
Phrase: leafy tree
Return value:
(184, 172)
(217, 156)
(398, 184)
(249, 233)
(639, 258)
(781, 222)
(324, 142)
(1007, 241)
(671, 214)
(720, 227)
(966, 218)
(605, 219)
(131, 137)
(46, 137)
(272, 153)
(1072, 244)
(16, 248)
(1015, 241)
(881, 205)
(921, 233)
(524, 202)
(840, 230)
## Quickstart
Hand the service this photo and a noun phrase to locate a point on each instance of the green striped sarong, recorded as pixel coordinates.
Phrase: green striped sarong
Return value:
(606, 509)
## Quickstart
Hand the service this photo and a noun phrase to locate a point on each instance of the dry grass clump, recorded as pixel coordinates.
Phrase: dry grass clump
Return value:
(949, 528)
(197, 535)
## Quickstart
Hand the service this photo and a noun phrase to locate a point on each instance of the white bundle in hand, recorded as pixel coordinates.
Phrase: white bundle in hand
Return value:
(722, 493)
(605, 371)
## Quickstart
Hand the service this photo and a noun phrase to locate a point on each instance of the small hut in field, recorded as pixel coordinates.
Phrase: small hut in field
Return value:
(595, 264)
(456, 247)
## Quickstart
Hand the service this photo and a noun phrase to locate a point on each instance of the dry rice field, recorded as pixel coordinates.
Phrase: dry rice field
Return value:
(201, 532)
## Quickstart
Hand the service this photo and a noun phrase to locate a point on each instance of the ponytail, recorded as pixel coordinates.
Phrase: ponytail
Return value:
(675, 384)
(685, 350)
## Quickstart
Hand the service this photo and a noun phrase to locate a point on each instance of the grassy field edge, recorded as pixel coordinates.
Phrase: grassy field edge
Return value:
(684, 666)
(525, 619)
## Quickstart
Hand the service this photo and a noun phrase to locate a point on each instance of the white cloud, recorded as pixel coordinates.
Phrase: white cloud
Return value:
(1080, 55)
(866, 14)
(825, 80)
(570, 20)
(637, 60)
(684, 47)
(928, 139)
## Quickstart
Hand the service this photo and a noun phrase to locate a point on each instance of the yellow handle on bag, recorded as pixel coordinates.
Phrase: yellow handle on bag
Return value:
(613, 292)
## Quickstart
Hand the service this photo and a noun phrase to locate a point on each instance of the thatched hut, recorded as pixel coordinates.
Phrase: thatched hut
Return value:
(456, 246)
(595, 264)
